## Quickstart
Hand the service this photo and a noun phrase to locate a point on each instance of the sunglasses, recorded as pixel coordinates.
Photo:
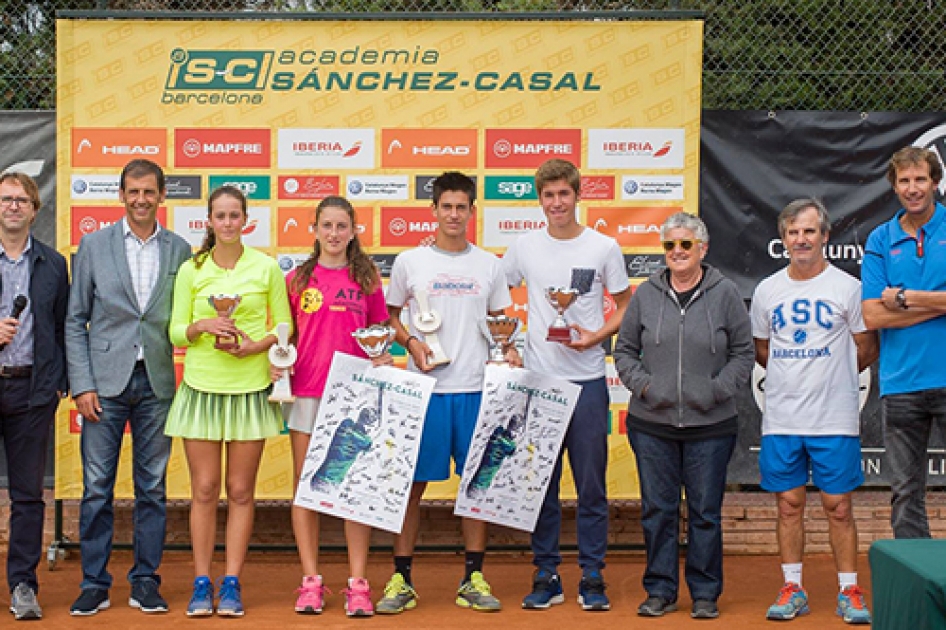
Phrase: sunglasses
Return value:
(686, 244)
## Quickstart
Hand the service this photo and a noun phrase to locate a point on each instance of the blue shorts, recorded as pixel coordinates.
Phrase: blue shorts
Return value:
(834, 462)
(448, 431)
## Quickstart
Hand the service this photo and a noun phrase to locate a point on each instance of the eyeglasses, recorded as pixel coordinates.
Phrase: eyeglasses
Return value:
(9, 202)
(686, 244)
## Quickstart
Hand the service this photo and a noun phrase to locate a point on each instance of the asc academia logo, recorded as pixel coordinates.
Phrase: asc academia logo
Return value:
(217, 77)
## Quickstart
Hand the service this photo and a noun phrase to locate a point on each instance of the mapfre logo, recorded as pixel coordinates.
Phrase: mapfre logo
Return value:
(116, 147)
(597, 187)
(406, 227)
(636, 148)
(631, 227)
(87, 219)
(429, 148)
(216, 148)
(295, 227)
(308, 186)
(528, 148)
(326, 148)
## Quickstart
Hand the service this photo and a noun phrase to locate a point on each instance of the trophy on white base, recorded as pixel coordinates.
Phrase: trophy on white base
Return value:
(501, 331)
(427, 321)
(282, 355)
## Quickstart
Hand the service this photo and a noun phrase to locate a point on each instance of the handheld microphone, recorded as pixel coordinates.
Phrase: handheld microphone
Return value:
(19, 305)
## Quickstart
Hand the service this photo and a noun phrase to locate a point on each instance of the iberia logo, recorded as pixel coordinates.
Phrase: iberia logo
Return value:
(664, 150)
(311, 300)
(353, 151)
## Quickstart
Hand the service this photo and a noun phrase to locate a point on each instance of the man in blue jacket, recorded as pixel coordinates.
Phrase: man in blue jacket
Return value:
(34, 292)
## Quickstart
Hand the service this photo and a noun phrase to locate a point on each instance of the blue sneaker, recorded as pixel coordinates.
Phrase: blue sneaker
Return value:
(231, 605)
(792, 601)
(202, 601)
(546, 590)
(591, 592)
(851, 606)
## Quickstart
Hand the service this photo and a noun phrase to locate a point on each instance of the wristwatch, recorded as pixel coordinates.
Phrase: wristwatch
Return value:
(901, 299)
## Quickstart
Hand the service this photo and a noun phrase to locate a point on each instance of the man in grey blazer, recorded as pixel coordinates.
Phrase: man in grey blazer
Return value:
(121, 368)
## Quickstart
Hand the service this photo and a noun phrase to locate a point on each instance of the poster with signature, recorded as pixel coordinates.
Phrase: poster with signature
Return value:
(518, 435)
(364, 444)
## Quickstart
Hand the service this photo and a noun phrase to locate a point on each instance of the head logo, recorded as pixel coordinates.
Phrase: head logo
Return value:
(398, 226)
(631, 226)
(600, 224)
(502, 148)
(115, 146)
(291, 223)
(419, 148)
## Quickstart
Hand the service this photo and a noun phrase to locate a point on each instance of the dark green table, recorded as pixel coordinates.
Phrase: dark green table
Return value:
(908, 580)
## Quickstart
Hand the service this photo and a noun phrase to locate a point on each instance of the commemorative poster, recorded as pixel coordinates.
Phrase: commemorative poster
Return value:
(364, 446)
(519, 433)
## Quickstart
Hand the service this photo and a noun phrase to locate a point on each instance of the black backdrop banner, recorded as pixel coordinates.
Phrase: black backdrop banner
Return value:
(752, 165)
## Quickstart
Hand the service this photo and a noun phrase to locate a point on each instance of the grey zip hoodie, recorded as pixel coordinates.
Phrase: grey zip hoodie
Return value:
(684, 364)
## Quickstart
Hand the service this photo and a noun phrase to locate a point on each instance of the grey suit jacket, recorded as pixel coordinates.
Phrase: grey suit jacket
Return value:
(104, 325)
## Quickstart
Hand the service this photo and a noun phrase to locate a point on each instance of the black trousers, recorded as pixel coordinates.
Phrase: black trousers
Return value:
(25, 431)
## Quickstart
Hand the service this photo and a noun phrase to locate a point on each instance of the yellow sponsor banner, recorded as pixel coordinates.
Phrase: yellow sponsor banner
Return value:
(294, 111)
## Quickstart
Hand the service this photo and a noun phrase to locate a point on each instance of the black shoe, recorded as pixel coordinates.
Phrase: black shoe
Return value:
(591, 594)
(656, 607)
(704, 609)
(90, 601)
(146, 598)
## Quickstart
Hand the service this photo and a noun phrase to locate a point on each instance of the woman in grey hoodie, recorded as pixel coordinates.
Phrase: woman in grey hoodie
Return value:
(684, 349)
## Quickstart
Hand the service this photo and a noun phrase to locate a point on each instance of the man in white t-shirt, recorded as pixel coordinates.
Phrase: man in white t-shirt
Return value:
(569, 255)
(462, 284)
(810, 336)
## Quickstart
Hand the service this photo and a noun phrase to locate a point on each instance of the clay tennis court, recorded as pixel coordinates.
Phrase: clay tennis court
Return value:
(271, 577)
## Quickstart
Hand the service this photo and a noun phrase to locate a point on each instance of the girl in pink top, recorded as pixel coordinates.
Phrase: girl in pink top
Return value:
(333, 293)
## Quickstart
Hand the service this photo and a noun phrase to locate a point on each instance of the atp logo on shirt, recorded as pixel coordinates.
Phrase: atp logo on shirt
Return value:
(311, 300)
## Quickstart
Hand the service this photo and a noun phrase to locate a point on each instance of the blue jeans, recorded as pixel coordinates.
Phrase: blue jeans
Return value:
(907, 422)
(101, 445)
(699, 466)
(587, 444)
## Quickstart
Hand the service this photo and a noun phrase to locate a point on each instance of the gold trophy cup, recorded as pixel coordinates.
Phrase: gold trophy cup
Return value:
(225, 305)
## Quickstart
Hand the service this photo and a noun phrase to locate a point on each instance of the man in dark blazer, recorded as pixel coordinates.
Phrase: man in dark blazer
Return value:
(121, 368)
(34, 292)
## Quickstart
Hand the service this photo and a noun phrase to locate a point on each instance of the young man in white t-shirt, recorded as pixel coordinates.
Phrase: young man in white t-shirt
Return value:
(462, 284)
(569, 255)
(810, 336)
